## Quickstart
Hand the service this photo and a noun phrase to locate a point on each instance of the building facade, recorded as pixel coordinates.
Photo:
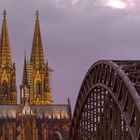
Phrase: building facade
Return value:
(35, 118)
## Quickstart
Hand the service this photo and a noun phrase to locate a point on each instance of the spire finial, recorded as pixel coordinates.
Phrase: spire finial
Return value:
(37, 14)
(4, 13)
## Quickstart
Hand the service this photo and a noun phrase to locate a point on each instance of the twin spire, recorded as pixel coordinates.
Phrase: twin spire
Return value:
(35, 80)
(35, 83)
(37, 56)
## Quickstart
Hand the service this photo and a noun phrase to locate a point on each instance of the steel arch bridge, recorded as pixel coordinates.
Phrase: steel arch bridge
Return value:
(108, 104)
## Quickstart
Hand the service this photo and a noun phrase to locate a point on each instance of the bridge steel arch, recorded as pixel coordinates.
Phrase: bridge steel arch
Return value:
(108, 104)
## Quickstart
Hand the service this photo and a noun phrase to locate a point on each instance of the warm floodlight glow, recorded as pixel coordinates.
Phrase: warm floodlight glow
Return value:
(116, 4)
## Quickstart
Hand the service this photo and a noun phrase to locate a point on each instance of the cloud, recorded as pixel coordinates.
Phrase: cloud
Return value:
(120, 4)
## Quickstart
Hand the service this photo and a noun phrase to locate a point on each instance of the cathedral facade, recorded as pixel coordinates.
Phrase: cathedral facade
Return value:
(36, 117)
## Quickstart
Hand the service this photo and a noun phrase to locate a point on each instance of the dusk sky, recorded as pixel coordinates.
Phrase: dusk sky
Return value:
(75, 34)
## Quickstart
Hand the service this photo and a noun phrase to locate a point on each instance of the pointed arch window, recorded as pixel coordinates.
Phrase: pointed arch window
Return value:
(4, 88)
(38, 88)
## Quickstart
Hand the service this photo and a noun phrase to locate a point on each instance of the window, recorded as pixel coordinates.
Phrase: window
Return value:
(4, 88)
(38, 88)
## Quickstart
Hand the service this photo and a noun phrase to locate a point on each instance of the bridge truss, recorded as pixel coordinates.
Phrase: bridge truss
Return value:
(108, 104)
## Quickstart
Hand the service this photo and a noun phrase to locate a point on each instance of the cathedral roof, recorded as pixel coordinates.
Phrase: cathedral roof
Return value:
(8, 110)
(47, 111)
(53, 111)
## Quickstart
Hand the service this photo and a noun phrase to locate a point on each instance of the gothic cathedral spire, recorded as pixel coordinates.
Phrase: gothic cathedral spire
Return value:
(8, 91)
(24, 88)
(5, 55)
(36, 73)
(24, 78)
(37, 56)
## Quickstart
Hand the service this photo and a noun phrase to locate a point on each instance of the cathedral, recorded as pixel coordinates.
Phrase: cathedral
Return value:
(35, 117)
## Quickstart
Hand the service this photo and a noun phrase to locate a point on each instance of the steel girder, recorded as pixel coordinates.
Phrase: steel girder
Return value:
(108, 104)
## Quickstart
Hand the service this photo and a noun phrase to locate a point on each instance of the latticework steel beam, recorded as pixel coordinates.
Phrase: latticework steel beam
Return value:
(108, 104)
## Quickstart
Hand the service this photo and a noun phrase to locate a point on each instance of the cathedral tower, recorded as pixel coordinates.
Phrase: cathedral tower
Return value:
(38, 71)
(37, 56)
(8, 92)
